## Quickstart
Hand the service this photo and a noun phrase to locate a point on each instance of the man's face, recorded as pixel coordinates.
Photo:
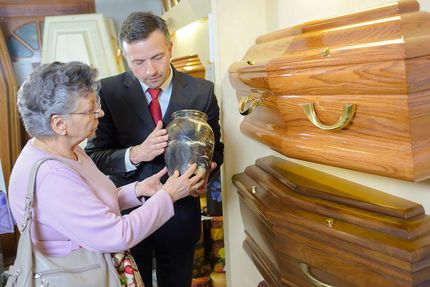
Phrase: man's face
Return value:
(149, 59)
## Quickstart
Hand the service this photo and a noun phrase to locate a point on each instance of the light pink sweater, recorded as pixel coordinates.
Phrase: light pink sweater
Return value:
(82, 209)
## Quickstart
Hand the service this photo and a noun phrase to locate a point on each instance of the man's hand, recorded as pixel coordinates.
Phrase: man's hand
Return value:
(203, 188)
(151, 147)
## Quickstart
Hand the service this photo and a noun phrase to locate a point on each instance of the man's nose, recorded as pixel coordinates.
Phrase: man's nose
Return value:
(100, 114)
(151, 68)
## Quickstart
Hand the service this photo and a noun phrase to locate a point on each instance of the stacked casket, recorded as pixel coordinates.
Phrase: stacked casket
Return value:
(351, 91)
(307, 228)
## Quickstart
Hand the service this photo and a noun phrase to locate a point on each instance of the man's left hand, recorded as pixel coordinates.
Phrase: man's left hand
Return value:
(203, 188)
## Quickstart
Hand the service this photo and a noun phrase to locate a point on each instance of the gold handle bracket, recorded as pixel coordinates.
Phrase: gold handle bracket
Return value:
(254, 102)
(348, 113)
(250, 62)
(325, 52)
(305, 269)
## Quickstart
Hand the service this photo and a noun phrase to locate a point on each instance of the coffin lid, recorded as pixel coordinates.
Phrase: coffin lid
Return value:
(300, 187)
(394, 31)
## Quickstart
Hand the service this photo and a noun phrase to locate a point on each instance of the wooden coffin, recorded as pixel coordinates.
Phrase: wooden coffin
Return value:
(190, 65)
(306, 227)
(351, 91)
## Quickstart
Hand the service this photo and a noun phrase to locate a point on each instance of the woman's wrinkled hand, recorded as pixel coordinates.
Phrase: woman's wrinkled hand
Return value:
(180, 186)
(149, 186)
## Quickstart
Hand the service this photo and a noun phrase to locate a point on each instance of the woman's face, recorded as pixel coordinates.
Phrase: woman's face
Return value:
(84, 119)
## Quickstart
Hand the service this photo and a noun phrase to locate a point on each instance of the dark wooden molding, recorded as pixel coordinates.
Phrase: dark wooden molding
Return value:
(10, 141)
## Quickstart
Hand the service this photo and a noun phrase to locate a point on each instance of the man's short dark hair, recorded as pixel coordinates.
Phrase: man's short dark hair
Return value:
(139, 25)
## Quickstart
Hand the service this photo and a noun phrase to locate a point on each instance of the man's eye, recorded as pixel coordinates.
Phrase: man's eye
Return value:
(158, 58)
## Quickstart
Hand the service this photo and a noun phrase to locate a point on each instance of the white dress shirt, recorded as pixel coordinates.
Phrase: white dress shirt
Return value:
(164, 99)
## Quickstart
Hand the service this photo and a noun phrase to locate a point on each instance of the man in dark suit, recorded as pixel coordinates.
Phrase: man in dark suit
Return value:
(129, 145)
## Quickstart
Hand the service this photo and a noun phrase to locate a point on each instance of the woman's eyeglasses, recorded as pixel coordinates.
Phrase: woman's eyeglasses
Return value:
(96, 112)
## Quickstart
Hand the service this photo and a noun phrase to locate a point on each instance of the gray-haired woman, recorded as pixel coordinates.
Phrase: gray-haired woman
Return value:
(77, 206)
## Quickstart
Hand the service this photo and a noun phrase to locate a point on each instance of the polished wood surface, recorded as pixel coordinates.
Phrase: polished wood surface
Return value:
(347, 234)
(377, 59)
(190, 65)
(265, 266)
(10, 139)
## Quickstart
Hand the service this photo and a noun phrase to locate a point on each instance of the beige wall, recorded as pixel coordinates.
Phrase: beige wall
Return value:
(192, 39)
(119, 10)
(237, 24)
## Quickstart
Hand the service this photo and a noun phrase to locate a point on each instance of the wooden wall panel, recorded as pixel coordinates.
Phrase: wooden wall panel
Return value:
(10, 139)
(16, 14)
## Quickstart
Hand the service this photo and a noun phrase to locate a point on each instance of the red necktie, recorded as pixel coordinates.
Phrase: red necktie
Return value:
(154, 105)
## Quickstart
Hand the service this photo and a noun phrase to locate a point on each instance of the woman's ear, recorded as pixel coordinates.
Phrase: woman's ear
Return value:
(58, 124)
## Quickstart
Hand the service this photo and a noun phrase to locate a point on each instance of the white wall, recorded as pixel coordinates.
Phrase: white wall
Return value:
(119, 10)
(192, 39)
(237, 24)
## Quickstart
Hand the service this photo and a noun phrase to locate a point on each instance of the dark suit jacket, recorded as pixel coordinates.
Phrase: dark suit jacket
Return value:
(127, 122)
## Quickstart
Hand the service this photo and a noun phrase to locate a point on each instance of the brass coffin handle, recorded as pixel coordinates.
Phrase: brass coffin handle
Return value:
(254, 102)
(348, 113)
(315, 281)
(325, 52)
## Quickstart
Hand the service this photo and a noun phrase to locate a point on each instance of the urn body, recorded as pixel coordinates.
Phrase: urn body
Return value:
(191, 140)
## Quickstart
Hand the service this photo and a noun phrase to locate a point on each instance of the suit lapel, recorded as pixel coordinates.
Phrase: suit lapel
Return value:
(179, 97)
(136, 99)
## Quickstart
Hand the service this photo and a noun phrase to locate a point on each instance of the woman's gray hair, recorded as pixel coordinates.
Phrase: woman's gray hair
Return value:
(53, 89)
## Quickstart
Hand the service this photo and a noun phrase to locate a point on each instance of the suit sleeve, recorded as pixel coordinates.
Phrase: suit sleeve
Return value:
(213, 112)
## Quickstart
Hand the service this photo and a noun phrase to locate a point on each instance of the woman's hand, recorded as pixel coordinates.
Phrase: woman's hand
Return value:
(149, 186)
(181, 186)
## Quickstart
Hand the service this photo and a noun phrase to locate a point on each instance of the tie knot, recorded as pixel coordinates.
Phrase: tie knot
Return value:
(154, 93)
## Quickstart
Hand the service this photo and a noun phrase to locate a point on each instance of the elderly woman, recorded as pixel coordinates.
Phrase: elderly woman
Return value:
(77, 206)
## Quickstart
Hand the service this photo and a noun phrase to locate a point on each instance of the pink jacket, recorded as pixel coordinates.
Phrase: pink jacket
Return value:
(82, 207)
